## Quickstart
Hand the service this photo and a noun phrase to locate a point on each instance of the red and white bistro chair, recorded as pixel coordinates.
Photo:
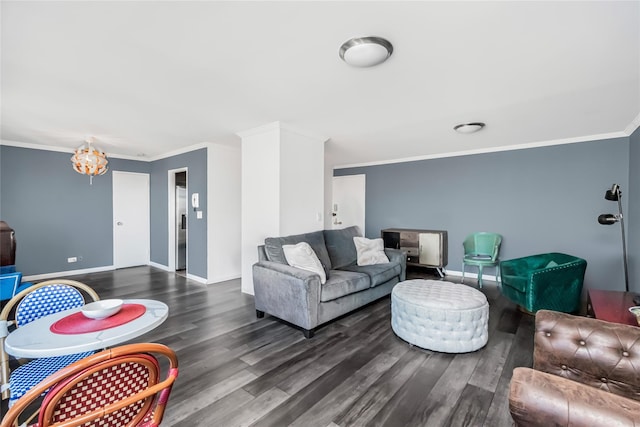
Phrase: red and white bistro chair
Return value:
(122, 387)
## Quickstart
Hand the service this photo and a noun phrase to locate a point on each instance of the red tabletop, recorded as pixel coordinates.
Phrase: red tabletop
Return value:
(77, 323)
(612, 306)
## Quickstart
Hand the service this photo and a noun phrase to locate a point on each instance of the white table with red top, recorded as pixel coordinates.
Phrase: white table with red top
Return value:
(64, 332)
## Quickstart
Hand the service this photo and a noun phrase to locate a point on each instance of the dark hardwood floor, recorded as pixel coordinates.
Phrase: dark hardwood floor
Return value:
(237, 370)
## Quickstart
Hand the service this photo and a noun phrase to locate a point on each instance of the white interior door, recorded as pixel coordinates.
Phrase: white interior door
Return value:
(130, 219)
(348, 201)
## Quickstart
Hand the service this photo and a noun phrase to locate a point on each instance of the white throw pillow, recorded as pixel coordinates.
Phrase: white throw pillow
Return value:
(370, 251)
(302, 256)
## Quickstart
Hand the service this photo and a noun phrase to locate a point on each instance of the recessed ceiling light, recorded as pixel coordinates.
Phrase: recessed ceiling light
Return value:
(365, 51)
(469, 127)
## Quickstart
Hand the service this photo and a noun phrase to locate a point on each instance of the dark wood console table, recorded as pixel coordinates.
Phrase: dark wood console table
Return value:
(612, 306)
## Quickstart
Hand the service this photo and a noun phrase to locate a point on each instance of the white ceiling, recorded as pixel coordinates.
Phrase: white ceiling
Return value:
(155, 77)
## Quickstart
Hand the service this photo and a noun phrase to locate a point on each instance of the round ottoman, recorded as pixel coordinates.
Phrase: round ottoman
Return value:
(440, 316)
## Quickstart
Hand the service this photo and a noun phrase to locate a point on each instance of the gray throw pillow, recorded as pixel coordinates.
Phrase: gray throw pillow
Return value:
(340, 246)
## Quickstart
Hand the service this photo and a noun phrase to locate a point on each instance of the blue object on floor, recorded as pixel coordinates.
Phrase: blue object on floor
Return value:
(11, 282)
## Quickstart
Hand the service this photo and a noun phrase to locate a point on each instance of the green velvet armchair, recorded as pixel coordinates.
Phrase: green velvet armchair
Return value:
(551, 281)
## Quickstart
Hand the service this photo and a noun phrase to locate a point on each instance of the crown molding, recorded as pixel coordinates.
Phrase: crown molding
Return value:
(589, 138)
(64, 149)
(179, 151)
(633, 126)
(113, 156)
(36, 146)
(630, 129)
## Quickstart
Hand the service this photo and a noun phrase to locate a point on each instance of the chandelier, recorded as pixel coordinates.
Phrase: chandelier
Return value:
(89, 160)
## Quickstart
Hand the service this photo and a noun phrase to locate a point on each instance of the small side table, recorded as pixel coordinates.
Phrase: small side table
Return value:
(612, 306)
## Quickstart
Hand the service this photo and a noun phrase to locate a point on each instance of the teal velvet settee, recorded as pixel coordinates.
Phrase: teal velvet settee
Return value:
(298, 297)
(551, 281)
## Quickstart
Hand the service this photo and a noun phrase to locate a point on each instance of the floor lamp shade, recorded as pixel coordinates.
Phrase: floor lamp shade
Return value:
(615, 195)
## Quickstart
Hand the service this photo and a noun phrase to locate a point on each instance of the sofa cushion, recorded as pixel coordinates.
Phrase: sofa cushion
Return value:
(273, 247)
(302, 256)
(378, 273)
(370, 251)
(343, 283)
(340, 246)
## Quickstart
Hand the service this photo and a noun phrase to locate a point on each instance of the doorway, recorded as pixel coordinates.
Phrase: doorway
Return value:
(178, 221)
(181, 222)
(131, 221)
(348, 206)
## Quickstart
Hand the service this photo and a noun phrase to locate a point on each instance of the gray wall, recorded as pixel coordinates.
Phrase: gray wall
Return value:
(196, 162)
(541, 200)
(54, 211)
(632, 219)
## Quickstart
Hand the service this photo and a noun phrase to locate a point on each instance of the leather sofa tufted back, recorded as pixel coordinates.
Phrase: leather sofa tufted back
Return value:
(600, 354)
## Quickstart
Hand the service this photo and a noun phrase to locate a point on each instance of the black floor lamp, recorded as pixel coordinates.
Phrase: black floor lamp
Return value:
(615, 195)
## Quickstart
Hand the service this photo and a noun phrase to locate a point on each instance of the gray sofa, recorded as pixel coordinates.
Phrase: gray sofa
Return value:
(297, 296)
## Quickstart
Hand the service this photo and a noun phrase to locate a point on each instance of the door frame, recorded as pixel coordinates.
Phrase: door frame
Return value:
(359, 194)
(171, 223)
(147, 210)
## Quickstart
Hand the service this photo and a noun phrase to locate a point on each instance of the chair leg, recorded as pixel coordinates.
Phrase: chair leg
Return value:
(480, 276)
(259, 314)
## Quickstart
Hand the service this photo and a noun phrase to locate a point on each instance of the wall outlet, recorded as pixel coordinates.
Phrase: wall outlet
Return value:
(72, 259)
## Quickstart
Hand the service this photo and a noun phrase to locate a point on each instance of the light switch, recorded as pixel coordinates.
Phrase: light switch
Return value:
(199, 214)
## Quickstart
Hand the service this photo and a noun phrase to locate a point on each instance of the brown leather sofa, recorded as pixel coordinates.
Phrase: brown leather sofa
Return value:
(586, 372)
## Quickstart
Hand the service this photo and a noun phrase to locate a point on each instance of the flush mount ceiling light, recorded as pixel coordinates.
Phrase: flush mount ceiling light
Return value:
(469, 127)
(365, 51)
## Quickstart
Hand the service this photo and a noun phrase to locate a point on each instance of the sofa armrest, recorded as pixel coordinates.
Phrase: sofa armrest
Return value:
(540, 399)
(559, 287)
(396, 255)
(289, 293)
(600, 354)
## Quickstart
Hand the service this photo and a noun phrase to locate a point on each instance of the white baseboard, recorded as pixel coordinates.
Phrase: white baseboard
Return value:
(160, 266)
(197, 278)
(61, 274)
(189, 276)
(470, 275)
(224, 278)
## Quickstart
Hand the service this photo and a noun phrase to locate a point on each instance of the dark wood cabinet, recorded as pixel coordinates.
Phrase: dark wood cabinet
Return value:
(424, 248)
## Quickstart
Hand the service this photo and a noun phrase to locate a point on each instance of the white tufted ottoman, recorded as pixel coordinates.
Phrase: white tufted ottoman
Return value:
(440, 316)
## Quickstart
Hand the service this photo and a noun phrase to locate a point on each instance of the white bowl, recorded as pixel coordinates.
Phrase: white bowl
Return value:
(635, 310)
(102, 309)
